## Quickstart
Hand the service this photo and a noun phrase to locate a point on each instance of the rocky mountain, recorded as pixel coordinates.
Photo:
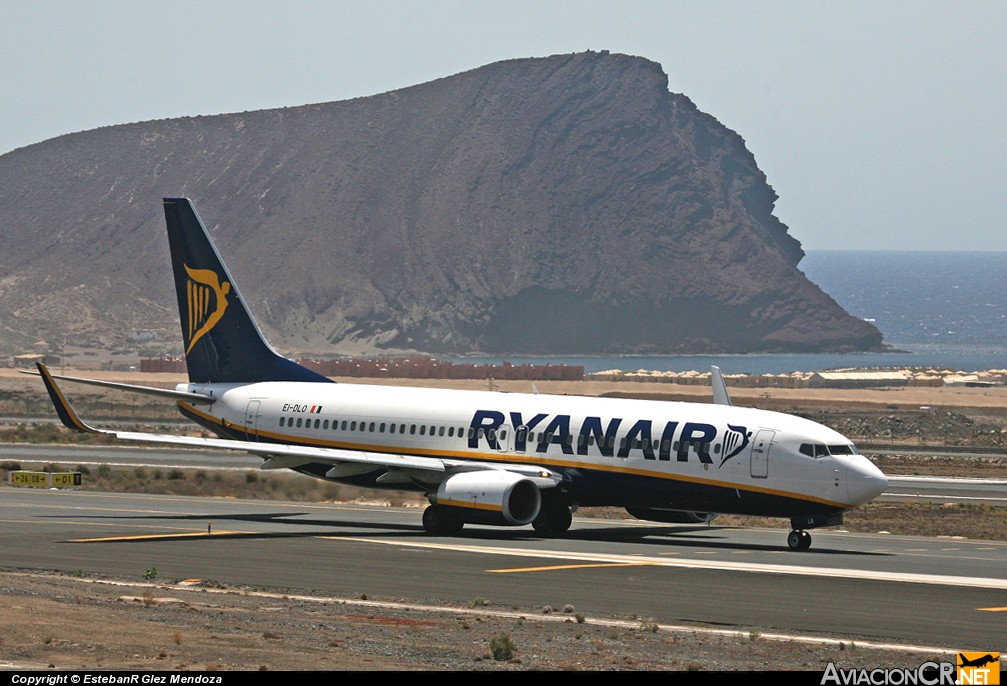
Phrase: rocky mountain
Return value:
(567, 204)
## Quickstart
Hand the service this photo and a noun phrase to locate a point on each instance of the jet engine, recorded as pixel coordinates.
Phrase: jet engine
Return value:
(490, 496)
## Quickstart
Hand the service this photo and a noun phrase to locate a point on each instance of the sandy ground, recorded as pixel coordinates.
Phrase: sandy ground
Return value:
(48, 621)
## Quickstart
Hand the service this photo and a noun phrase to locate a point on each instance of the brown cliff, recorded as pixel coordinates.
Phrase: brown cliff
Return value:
(568, 204)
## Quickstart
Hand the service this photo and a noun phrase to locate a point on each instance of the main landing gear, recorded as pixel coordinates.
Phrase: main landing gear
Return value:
(553, 519)
(799, 539)
(441, 521)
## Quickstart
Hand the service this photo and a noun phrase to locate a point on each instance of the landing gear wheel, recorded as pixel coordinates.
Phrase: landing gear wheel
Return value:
(441, 521)
(553, 519)
(798, 539)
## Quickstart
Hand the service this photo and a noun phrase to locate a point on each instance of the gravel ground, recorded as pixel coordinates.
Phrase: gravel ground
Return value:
(52, 621)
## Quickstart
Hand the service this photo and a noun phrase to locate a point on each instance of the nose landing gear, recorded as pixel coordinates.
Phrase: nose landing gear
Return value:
(799, 539)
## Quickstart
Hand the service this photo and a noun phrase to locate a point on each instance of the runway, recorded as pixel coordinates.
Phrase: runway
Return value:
(941, 593)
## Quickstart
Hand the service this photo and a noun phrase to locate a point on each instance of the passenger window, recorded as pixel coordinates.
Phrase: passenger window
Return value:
(451, 432)
(371, 429)
(423, 429)
(325, 424)
(716, 449)
(281, 421)
(440, 431)
(412, 429)
(298, 422)
(381, 428)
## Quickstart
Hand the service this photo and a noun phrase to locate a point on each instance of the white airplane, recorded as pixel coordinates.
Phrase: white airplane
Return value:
(507, 459)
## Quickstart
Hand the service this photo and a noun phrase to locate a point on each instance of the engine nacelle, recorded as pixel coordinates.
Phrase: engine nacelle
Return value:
(660, 514)
(490, 496)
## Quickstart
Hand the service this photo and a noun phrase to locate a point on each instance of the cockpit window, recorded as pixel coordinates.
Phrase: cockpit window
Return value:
(815, 450)
(840, 450)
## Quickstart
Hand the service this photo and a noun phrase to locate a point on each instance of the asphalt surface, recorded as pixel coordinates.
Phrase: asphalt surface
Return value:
(947, 594)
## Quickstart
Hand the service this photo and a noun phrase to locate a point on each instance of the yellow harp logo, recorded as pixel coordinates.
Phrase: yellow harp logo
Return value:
(202, 284)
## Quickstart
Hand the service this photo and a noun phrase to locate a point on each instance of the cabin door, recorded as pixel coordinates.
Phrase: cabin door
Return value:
(252, 420)
(505, 437)
(760, 453)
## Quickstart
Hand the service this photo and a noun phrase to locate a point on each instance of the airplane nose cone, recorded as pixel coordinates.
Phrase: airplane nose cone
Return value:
(864, 481)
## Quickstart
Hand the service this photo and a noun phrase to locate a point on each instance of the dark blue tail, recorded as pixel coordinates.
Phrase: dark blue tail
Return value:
(223, 344)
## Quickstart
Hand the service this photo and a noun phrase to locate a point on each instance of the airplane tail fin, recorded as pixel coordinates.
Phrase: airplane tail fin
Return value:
(222, 341)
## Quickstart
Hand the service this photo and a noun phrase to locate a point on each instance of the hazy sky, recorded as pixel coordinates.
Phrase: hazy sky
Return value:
(881, 125)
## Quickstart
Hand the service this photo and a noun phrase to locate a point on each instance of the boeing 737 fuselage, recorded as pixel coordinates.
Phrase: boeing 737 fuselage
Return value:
(485, 457)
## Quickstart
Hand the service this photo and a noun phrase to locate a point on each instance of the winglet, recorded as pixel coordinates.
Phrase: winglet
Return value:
(720, 396)
(64, 410)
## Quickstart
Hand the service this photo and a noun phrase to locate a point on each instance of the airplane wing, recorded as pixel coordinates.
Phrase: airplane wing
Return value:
(289, 456)
(720, 394)
(197, 398)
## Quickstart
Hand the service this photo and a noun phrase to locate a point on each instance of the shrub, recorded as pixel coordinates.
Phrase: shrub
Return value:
(502, 647)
